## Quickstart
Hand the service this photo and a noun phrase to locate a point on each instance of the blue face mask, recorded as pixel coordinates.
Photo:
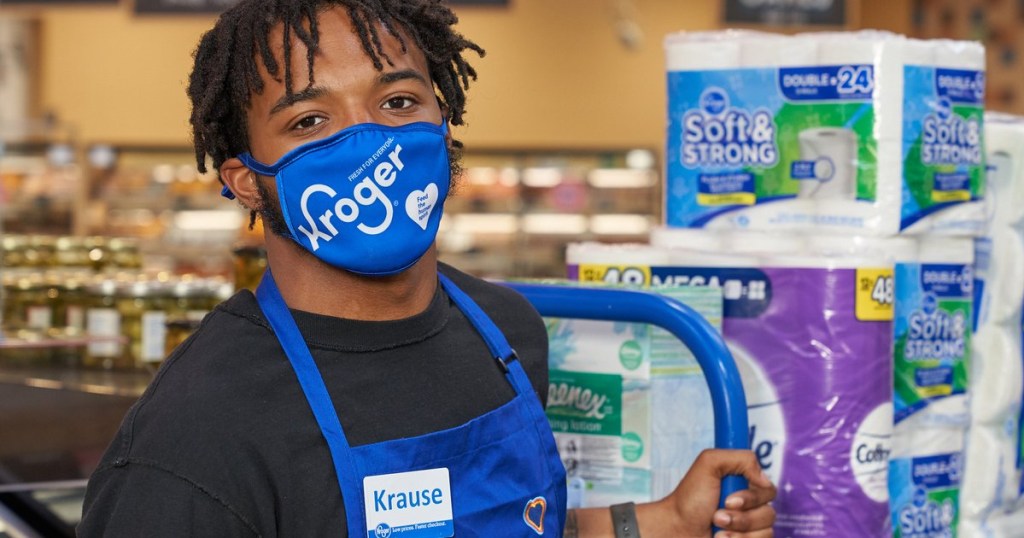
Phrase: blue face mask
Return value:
(367, 199)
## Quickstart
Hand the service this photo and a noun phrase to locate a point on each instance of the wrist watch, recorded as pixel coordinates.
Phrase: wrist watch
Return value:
(624, 521)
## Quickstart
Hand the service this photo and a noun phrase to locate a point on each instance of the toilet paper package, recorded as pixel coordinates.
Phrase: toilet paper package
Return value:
(813, 346)
(934, 290)
(932, 335)
(857, 133)
(615, 394)
(943, 150)
(754, 143)
(991, 496)
(924, 475)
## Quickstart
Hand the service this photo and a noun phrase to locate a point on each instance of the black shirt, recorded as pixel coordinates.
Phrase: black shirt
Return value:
(223, 442)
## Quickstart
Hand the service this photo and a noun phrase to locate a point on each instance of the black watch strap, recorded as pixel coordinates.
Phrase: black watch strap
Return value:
(624, 520)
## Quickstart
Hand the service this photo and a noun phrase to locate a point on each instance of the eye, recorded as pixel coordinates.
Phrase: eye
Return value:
(308, 122)
(399, 103)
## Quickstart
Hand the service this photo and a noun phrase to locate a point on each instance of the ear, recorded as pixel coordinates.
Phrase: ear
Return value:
(241, 181)
(447, 119)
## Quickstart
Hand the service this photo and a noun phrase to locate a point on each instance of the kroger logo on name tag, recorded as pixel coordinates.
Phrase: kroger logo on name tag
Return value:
(416, 504)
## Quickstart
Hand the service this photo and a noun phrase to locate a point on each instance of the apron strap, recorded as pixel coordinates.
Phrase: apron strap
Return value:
(312, 383)
(495, 340)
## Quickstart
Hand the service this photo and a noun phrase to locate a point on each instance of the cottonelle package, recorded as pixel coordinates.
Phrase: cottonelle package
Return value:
(931, 351)
(865, 133)
(991, 495)
(628, 404)
(811, 337)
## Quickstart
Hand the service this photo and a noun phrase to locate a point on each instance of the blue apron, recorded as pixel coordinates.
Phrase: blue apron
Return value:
(506, 478)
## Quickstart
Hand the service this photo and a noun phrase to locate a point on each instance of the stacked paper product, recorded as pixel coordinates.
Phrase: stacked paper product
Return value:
(616, 395)
(991, 497)
(811, 333)
(865, 133)
(931, 352)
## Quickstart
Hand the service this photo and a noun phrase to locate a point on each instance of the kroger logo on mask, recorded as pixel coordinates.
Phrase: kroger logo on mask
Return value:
(366, 193)
(351, 184)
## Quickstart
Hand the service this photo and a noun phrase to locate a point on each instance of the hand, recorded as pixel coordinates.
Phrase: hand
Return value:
(692, 509)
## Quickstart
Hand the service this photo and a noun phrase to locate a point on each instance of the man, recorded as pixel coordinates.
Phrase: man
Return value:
(365, 389)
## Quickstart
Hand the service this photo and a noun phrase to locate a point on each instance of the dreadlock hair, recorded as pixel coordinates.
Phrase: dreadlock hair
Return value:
(225, 74)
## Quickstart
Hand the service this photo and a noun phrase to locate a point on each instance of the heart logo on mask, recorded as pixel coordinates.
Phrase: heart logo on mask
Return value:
(420, 204)
(533, 515)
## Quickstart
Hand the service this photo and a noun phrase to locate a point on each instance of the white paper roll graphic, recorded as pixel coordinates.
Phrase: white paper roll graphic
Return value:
(833, 150)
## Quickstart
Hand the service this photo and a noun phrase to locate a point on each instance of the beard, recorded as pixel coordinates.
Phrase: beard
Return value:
(269, 209)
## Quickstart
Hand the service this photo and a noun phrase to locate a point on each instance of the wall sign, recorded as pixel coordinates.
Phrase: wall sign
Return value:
(786, 12)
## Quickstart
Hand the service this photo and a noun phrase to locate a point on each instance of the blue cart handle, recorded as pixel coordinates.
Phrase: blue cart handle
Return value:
(727, 397)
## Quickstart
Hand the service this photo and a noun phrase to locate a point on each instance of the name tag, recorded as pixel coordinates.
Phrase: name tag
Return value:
(416, 504)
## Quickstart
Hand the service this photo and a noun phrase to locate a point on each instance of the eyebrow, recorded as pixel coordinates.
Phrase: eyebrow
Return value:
(311, 92)
(314, 92)
(405, 74)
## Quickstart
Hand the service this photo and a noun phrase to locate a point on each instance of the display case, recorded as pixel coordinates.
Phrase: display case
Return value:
(39, 186)
(514, 211)
(156, 195)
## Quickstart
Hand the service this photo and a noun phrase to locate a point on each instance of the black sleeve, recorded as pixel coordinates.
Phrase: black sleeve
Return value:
(141, 499)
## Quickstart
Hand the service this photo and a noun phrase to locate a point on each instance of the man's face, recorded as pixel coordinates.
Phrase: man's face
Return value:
(347, 90)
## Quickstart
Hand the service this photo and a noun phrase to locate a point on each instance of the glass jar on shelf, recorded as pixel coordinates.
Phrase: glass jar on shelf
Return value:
(105, 349)
(70, 311)
(96, 246)
(124, 253)
(71, 252)
(40, 252)
(13, 251)
(191, 298)
(11, 301)
(143, 306)
(28, 304)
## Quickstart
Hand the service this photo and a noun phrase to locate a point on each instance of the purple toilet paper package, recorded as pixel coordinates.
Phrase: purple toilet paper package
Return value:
(813, 347)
